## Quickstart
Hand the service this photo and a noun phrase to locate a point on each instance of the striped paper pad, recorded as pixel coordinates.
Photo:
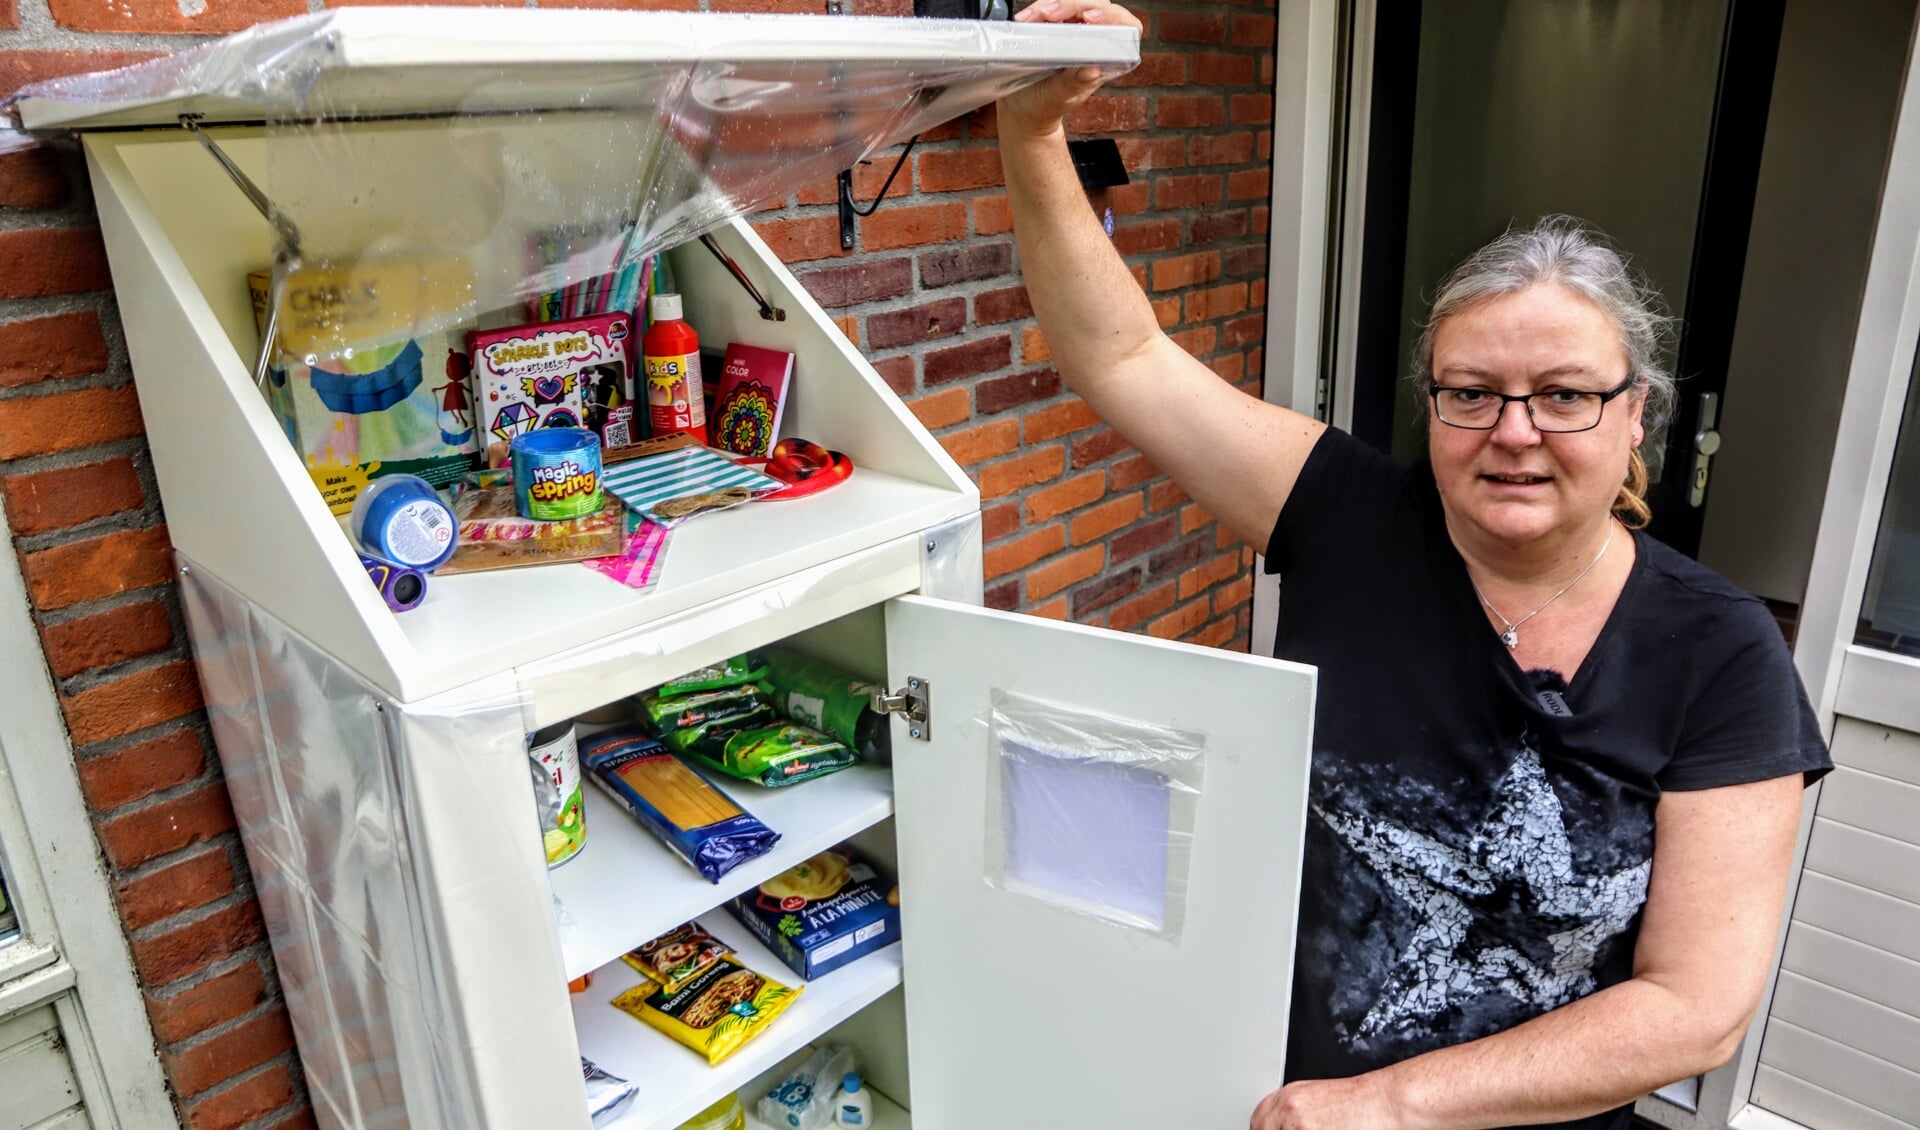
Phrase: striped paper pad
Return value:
(645, 483)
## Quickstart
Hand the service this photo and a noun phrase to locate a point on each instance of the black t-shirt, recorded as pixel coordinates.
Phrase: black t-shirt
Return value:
(1479, 837)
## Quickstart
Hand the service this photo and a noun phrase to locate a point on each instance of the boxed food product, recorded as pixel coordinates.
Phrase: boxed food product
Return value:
(826, 912)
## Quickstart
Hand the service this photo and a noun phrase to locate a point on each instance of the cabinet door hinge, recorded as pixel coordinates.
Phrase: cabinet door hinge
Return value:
(916, 702)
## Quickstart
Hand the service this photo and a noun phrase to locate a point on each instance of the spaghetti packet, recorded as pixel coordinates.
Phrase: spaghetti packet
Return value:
(687, 812)
(715, 1012)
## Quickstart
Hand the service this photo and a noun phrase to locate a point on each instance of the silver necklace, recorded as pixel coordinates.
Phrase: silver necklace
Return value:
(1511, 637)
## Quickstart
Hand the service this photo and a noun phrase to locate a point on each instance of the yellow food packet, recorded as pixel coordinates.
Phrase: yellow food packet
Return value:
(677, 956)
(715, 1012)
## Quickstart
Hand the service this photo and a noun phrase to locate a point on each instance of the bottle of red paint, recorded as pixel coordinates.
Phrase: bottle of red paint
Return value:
(670, 355)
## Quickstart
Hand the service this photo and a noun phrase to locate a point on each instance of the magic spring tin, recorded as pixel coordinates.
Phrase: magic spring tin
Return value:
(556, 474)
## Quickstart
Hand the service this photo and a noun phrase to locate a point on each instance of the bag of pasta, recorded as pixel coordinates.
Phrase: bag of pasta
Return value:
(715, 1012)
(782, 754)
(677, 956)
(705, 718)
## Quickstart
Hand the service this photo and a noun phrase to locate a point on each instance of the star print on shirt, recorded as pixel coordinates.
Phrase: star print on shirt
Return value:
(1516, 865)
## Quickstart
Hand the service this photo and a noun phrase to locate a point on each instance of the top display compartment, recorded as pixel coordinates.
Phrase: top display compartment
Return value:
(457, 133)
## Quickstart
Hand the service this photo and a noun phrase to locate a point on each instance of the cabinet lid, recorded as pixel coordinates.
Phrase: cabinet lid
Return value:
(379, 62)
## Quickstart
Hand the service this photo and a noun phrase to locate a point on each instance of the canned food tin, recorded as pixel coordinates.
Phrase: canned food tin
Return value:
(557, 791)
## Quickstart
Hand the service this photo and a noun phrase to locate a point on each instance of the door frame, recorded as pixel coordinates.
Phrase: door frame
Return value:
(1723, 226)
(1841, 677)
(72, 951)
(1305, 63)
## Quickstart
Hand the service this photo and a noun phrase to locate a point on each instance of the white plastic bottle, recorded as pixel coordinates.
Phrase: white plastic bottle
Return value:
(853, 1106)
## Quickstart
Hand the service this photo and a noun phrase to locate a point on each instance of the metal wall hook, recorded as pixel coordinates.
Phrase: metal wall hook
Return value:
(848, 210)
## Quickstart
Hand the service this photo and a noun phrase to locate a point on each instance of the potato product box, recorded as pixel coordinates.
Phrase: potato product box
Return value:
(828, 911)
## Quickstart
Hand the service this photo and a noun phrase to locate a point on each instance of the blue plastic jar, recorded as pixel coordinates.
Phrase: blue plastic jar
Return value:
(401, 518)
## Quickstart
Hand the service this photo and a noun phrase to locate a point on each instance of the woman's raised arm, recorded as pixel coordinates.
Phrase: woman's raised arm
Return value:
(1237, 456)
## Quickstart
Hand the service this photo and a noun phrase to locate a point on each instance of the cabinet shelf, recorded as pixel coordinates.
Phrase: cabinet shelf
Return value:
(887, 1114)
(731, 580)
(675, 1082)
(627, 887)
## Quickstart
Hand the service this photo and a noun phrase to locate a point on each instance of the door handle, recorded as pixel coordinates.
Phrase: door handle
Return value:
(1706, 444)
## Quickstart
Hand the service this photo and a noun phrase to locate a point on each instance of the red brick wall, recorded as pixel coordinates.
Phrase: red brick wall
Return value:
(1078, 526)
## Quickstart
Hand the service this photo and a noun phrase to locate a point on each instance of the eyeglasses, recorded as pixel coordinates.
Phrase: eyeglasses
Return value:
(1556, 410)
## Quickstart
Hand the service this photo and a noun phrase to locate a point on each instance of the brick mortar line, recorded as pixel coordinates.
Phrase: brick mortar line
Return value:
(97, 677)
(97, 607)
(259, 953)
(281, 1115)
(271, 1002)
(104, 379)
(244, 888)
(196, 721)
(98, 604)
(230, 1083)
(172, 792)
(63, 218)
(133, 448)
(229, 841)
(147, 515)
(300, 1100)
(40, 32)
(226, 843)
(239, 896)
(47, 305)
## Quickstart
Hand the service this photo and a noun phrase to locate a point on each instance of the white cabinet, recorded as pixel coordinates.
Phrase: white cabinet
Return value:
(376, 760)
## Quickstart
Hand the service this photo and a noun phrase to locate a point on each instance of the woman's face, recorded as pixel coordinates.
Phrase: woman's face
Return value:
(1515, 483)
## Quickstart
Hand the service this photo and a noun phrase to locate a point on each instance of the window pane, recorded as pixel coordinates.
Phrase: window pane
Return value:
(1890, 615)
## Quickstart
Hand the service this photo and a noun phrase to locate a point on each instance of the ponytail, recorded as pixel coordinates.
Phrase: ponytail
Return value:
(1630, 505)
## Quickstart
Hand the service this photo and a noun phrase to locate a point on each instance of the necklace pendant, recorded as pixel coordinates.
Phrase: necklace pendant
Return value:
(1511, 638)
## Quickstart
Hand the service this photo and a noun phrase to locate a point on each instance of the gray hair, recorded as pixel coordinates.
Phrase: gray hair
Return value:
(1574, 254)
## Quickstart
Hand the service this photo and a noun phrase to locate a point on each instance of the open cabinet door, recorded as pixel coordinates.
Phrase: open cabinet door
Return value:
(1098, 917)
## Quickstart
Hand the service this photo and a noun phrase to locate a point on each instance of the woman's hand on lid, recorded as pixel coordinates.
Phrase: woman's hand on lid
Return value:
(1037, 110)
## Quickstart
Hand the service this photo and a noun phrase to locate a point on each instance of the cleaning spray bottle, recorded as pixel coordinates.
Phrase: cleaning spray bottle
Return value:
(670, 355)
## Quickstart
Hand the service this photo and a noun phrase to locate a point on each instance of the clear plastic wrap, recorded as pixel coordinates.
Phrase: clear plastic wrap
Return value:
(952, 562)
(385, 841)
(426, 163)
(1092, 813)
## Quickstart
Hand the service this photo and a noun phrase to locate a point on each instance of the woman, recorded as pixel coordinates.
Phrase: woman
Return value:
(1520, 696)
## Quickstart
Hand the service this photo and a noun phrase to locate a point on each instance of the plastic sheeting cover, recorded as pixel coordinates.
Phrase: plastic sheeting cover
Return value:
(442, 166)
(1092, 813)
(376, 834)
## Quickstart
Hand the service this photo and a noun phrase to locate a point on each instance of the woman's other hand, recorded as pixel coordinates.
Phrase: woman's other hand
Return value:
(1327, 1104)
(1037, 110)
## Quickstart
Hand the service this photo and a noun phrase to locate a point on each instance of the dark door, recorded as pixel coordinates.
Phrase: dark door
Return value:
(1645, 117)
